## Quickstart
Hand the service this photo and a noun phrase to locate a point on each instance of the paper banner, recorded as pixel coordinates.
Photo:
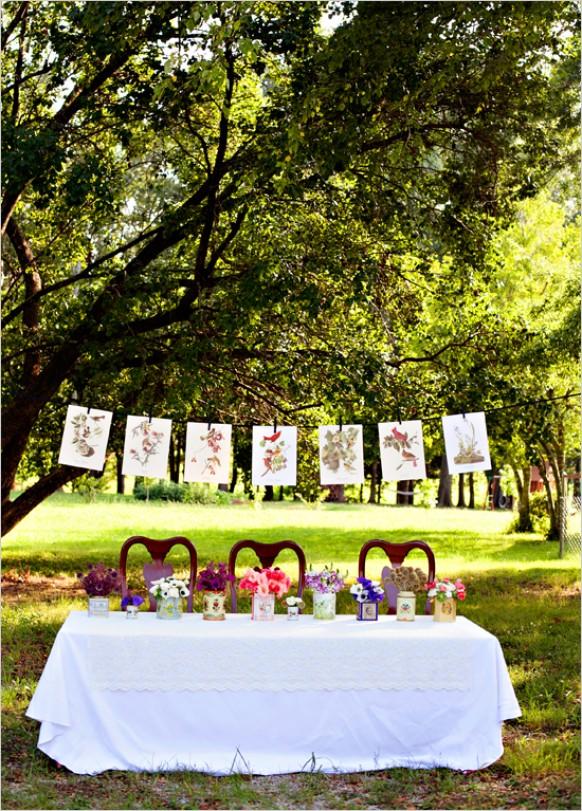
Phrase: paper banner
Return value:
(147, 443)
(341, 454)
(466, 442)
(402, 450)
(85, 437)
(274, 455)
(207, 452)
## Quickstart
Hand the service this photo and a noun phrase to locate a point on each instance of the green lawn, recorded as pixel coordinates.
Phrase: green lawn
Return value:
(518, 589)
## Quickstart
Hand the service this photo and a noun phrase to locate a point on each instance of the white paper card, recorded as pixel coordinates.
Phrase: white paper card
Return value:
(147, 444)
(85, 437)
(207, 452)
(274, 455)
(341, 454)
(466, 442)
(402, 450)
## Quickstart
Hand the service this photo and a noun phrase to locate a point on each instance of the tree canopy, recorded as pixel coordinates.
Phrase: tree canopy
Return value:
(221, 209)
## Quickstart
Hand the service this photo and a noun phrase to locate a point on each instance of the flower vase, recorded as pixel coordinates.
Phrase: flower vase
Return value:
(367, 611)
(213, 606)
(169, 608)
(263, 607)
(445, 610)
(324, 605)
(98, 607)
(292, 612)
(406, 606)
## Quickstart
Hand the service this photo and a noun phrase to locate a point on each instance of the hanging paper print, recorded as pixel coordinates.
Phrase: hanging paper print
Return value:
(466, 442)
(402, 450)
(147, 444)
(207, 452)
(85, 437)
(274, 455)
(341, 454)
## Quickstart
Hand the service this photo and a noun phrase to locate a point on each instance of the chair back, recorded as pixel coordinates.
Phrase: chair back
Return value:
(158, 550)
(396, 553)
(266, 553)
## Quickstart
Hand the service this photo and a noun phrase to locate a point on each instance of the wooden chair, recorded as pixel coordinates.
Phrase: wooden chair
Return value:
(396, 553)
(157, 568)
(266, 553)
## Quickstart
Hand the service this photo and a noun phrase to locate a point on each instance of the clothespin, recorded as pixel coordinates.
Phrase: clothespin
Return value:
(209, 426)
(149, 416)
(275, 425)
(341, 424)
(88, 410)
(399, 415)
(464, 415)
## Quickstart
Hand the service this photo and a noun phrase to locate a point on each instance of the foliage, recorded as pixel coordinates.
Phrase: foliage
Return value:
(207, 205)
(171, 491)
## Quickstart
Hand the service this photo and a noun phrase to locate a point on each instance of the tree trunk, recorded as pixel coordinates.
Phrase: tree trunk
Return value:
(281, 493)
(373, 483)
(269, 493)
(361, 496)
(223, 488)
(471, 491)
(576, 492)
(15, 511)
(174, 459)
(461, 491)
(379, 495)
(405, 492)
(522, 480)
(444, 494)
(336, 494)
(120, 476)
(553, 505)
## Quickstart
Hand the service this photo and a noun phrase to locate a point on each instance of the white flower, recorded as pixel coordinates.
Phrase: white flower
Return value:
(154, 590)
(431, 592)
(356, 589)
(164, 591)
(362, 597)
(173, 592)
(184, 592)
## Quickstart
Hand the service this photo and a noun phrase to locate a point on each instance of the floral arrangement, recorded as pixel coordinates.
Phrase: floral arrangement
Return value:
(444, 589)
(367, 591)
(405, 578)
(99, 580)
(266, 581)
(169, 587)
(131, 599)
(215, 577)
(327, 581)
(295, 602)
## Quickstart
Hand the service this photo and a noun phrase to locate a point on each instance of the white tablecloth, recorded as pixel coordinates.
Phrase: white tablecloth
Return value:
(272, 697)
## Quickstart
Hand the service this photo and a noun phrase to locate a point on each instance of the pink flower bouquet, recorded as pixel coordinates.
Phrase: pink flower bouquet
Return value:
(445, 588)
(266, 581)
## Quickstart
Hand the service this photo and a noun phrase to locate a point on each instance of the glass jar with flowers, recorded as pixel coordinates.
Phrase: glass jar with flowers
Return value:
(265, 585)
(325, 585)
(444, 594)
(294, 605)
(99, 583)
(130, 604)
(408, 583)
(367, 593)
(212, 582)
(168, 592)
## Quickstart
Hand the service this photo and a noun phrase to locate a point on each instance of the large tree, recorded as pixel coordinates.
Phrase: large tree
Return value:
(207, 203)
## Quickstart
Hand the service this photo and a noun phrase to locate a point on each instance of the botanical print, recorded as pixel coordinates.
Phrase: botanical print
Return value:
(85, 437)
(274, 455)
(147, 443)
(402, 450)
(466, 442)
(341, 454)
(207, 452)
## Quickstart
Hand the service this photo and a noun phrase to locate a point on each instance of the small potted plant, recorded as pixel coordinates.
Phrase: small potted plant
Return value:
(367, 593)
(325, 585)
(408, 582)
(265, 585)
(130, 604)
(99, 583)
(294, 605)
(212, 581)
(444, 594)
(168, 592)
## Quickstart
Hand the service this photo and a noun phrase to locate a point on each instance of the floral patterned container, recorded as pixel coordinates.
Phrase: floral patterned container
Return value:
(263, 607)
(98, 607)
(169, 608)
(293, 612)
(367, 611)
(213, 606)
(406, 606)
(445, 610)
(324, 605)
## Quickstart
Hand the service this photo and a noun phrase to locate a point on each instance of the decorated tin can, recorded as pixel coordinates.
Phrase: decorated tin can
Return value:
(405, 606)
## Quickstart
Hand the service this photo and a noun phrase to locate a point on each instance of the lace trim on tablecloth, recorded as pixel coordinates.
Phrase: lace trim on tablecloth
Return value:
(173, 664)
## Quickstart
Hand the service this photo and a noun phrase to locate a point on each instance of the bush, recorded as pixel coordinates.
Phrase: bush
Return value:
(185, 493)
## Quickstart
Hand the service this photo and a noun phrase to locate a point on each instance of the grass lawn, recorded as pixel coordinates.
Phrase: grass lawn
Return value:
(518, 589)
